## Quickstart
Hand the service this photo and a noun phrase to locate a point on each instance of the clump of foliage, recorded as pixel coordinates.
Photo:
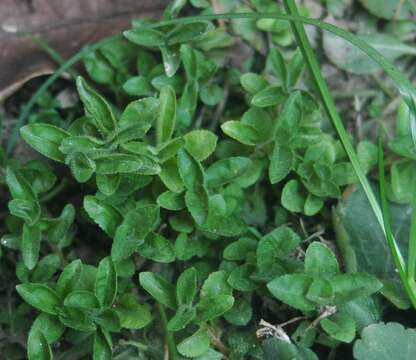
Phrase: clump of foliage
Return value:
(184, 208)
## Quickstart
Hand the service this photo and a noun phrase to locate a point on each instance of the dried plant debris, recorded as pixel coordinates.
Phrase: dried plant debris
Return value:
(65, 25)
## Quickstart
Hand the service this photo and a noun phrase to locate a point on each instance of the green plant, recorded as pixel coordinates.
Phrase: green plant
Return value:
(202, 185)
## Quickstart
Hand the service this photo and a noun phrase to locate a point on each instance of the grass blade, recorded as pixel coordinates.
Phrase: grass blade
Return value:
(407, 281)
(53, 54)
(384, 203)
(382, 214)
(411, 262)
(328, 102)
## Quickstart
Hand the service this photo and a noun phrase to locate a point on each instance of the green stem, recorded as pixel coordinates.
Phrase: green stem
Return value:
(168, 335)
(55, 191)
(54, 55)
(136, 344)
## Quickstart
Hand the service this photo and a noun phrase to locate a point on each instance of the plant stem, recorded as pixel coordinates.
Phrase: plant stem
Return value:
(137, 344)
(55, 191)
(218, 344)
(170, 341)
(220, 108)
(54, 55)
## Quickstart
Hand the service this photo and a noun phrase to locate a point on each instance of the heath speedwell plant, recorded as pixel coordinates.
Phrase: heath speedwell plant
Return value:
(192, 217)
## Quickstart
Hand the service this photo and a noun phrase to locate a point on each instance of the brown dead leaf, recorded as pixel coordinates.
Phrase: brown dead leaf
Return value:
(66, 25)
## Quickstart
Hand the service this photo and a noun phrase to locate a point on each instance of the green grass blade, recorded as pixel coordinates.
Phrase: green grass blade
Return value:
(384, 203)
(407, 282)
(328, 102)
(411, 262)
(382, 214)
(53, 54)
